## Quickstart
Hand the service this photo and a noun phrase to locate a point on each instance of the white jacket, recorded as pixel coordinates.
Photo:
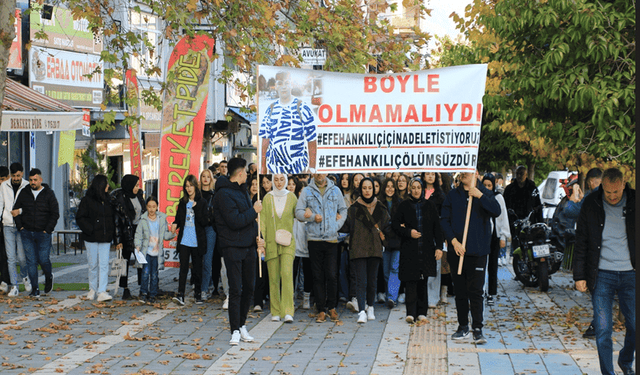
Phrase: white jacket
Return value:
(8, 199)
(502, 221)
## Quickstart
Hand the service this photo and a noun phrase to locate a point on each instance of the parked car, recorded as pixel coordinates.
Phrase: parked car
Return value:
(551, 191)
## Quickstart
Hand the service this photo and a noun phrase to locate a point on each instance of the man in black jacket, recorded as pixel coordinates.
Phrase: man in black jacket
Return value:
(523, 196)
(604, 262)
(37, 213)
(237, 231)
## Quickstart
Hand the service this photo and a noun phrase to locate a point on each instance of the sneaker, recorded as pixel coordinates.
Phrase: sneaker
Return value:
(288, 319)
(409, 319)
(204, 296)
(381, 298)
(4, 287)
(179, 299)
(142, 298)
(244, 335)
(362, 317)
(589, 333)
(626, 370)
(478, 337)
(490, 300)
(390, 303)
(14, 291)
(91, 295)
(126, 294)
(104, 296)
(333, 315)
(461, 334)
(27, 284)
(306, 301)
(257, 308)
(235, 338)
(370, 315)
(275, 318)
(48, 285)
(401, 298)
(321, 317)
(422, 318)
(353, 305)
(199, 300)
(35, 294)
(225, 305)
(151, 300)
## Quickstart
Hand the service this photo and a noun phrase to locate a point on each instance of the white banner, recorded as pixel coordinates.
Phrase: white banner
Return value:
(17, 121)
(57, 67)
(338, 122)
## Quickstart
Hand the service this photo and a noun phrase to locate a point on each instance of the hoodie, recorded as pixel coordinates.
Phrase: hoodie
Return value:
(235, 222)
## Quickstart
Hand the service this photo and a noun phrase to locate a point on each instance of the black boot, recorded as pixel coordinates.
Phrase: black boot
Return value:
(126, 294)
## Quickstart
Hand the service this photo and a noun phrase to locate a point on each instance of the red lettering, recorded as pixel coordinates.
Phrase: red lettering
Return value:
(425, 118)
(451, 110)
(432, 83)
(391, 84)
(394, 115)
(325, 117)
(403, 82)
(339, 117)
(467, 112)
(370, 84)
(479, 112)
(416, 84)
(375, 114)
(411, 114)
(357, 113)
(437, 112)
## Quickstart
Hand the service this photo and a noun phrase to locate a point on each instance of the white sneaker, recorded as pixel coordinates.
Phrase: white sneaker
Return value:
(91, 295)
(104, 296)
(353, 305)
(401, 298)
(381, 298)
(27, 284)
(275, 318)
(257, 308)
(4, 287)
(421, 318)
(244, 335)
(288, 319)
(14, 291)
(235, 338)
(306, 304)
(370, 315)
(362, 317)
(225, 305)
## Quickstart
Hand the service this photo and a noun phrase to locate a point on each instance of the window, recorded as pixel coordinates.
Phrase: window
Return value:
(148, 53)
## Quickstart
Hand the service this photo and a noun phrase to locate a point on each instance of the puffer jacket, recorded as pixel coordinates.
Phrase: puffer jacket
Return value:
(96, 220)
(328, 205)
(125, 214)
(39, 214)
(143, 232)
(8, 199)
(236, 224)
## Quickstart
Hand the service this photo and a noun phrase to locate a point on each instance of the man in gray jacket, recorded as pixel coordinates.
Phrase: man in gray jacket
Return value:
(321, 205)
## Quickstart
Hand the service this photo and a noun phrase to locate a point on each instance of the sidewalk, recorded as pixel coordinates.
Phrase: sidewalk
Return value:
(528, 332)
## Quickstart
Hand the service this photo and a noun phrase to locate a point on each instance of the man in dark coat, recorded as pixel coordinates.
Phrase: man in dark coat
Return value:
(604, 262)
(37, 214)
(523, 196)
(237, 231)
(469, 285)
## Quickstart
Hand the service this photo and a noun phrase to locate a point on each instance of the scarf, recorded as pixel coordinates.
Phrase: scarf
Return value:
(371, 206)
(361, 196)
(414, 200)
(129, 181)
(279, 196)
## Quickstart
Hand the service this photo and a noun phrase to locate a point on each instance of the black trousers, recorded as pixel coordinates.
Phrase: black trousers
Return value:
(241, 268)
(187, 252)
(216, 266)
(366, 270)
(262, 284)
(416, 297)
(492, 267)
(4, 262)
(324, 267)
(307, 274)
(469, 287)
(127, 251)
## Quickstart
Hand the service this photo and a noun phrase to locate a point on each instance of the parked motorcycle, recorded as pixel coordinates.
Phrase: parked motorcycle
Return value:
(537, 253)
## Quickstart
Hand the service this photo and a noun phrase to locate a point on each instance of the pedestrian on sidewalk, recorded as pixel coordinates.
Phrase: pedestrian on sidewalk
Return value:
(276, 220)
(418, 224)
(321, 206)
(604, 263)
(433, 193)
(96, 219)
(191, 219)
(5, 279)
(391, 254)
(469, 285)
(301, 261)
(261, 289)
(129, 207)
(367, 222)
(9, 191)
(150, 234)
(36, 214)
(237, 230)
(211, 264)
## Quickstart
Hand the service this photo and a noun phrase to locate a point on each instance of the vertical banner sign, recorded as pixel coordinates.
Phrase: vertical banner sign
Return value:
(15, 51)
(183, 114)
(133, 97)
(339, 122)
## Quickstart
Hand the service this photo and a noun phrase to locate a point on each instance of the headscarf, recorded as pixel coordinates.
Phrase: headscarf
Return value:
(418, 180)
(279, 195)
(492, 178)
(129, 182)
(369, 203)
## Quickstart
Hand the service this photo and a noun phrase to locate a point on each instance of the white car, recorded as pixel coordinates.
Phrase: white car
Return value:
(551, 191)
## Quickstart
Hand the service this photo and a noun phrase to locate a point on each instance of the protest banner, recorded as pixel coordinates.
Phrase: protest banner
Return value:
(134, 129)
(338, 122)
(184, 110)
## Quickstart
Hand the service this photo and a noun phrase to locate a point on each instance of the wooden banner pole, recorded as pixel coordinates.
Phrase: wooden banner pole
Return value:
(466, 225)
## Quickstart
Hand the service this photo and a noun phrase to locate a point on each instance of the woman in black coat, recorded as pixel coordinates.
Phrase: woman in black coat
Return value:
(96, 219)
(391, 255)
(418, 224)
(191, 219)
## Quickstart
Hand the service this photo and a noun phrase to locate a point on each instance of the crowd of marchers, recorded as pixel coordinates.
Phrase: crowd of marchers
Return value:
(356, 238)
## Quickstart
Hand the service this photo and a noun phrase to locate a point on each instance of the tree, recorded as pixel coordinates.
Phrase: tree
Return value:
(7, 33)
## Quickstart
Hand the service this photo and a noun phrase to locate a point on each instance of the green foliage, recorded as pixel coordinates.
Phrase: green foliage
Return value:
(89, 167)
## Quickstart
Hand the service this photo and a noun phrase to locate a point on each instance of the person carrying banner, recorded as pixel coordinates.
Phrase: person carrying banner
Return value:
(469, 285)
(321, 205)
(237, 231)
(288, 132)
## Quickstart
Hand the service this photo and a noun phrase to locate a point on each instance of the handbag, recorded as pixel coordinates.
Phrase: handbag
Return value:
(118, 265)
(283, 236)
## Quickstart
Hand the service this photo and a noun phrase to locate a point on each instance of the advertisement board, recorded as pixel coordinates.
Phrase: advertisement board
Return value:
(15, 51)
(63, 32)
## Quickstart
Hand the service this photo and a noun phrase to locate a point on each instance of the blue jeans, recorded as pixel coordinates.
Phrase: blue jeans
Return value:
(207, 259)
(98, 258)
(608, 283)
(344, 290)
(37, 247)
(390, 267)
(15, 252)
(150, 270)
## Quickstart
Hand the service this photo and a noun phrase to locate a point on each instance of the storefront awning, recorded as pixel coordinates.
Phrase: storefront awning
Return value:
(24, 109)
